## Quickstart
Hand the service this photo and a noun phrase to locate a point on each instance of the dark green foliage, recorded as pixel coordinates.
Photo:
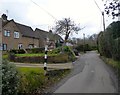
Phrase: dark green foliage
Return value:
(10, 79)
(36, 50)
(79, 48)
(85, 47)
(108, 41)
(55, 51)
(69, 51)
(11, 56)
(17, 51)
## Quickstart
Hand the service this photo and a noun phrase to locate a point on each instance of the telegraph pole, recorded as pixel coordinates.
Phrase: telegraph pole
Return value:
(84, 42)
(102, 15)
(103, 21)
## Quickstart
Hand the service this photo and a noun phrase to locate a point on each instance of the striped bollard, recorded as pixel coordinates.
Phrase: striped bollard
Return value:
(45, 59)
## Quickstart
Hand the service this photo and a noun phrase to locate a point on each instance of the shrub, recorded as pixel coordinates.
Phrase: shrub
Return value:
(55, 51)
(35, 50)
(17, 51)
(10, 79)
(11, 56)
(61, 58)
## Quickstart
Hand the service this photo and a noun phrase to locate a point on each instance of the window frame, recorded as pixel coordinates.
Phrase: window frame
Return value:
(16, 35)
(4, 47)
(7, 33)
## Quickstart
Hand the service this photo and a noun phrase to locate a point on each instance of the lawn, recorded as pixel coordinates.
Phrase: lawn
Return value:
(29, 69)
(33, 80)
(113, 63)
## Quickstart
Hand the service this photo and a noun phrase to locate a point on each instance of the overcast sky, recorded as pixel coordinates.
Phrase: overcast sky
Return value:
(83, 12)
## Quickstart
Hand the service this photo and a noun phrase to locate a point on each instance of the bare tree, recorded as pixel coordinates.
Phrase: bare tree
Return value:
(112, 7)
(66, 27)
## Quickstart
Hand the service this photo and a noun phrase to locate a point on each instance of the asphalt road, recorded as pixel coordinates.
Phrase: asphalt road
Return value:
(90, 75)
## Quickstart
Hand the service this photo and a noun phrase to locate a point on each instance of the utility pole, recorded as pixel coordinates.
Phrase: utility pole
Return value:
(103, 21)
(84, 42)
(102, 15)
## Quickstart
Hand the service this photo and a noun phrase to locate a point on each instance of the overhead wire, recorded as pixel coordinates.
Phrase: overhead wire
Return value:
(44, 10)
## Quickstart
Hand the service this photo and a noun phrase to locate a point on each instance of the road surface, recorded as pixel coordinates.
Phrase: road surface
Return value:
(90, 75)
(49, 66)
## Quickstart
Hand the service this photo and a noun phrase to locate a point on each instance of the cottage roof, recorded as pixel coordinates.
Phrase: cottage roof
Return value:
(26, 31)
(44, 34)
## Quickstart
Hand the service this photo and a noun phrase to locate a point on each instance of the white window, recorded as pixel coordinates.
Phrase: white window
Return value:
(16, 34)
(7, 33)
(4, 47)
(20, 46)
(30, 45)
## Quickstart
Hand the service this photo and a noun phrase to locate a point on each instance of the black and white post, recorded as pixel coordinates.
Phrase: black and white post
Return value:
(45, 57)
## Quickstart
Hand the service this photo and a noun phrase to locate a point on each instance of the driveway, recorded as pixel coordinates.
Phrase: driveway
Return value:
(90, 75)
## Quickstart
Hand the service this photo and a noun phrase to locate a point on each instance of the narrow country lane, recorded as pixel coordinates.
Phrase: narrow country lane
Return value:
(93, 76)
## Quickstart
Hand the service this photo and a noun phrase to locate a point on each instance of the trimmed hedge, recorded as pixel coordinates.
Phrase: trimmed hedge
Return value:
(17, 51)
(61, 58)
(36, 50)
(22, 51)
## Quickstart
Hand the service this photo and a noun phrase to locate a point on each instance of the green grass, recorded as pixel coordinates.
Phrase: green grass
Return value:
(113, 63)
(30, 55)
(5, 56)
(29, 69)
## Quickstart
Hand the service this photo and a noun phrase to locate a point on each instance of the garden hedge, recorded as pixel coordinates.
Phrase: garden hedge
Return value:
(61, 58)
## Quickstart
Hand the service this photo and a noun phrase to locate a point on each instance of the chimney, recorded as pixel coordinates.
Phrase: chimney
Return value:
(50, 31)
(4, 17)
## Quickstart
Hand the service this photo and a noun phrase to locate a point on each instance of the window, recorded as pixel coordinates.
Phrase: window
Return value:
(4, 47)
(30, 45)
(16, 34)
(20, 46)
(7, 33)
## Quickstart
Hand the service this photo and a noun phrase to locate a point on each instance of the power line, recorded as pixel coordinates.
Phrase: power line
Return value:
(102, 15)
(44, 10)
(97, 6)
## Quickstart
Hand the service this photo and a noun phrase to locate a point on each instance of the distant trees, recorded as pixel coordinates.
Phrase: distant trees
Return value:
(109, 41)
(66, 27)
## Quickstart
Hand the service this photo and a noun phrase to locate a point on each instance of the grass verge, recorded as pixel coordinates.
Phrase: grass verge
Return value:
(33, 80)
(113, 63)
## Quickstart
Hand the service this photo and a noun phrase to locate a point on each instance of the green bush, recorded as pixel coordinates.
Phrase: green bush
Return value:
(109, 41)
(10, 79)
(36, 50)
(71, 54)
(17, 51)
(55, 51)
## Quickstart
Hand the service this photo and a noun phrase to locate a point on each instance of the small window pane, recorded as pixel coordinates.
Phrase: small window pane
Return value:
(6, 33)
(16, 34)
